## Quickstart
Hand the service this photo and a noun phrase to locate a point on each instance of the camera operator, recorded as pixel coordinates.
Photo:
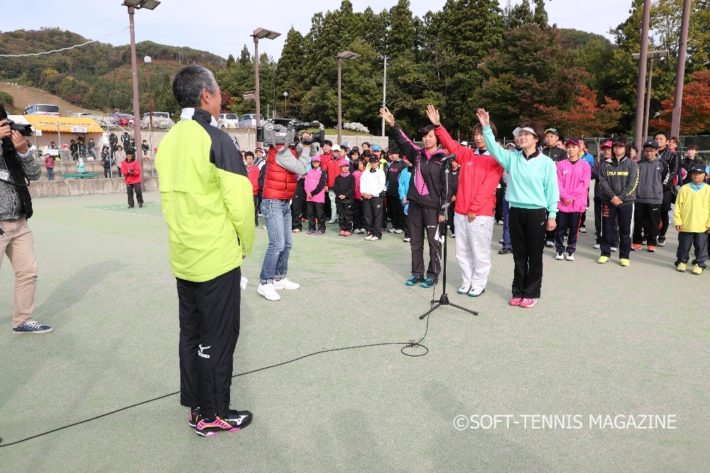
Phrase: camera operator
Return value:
(284, 166)
(17, 167)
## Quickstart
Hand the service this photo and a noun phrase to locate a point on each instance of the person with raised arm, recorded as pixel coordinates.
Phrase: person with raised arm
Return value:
(533, 195)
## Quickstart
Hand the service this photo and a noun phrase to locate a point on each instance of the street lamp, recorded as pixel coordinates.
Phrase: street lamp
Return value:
(132, 6)
(340, 56)
(285, 102)
(651, 55)
(148, 61)
(260, 33)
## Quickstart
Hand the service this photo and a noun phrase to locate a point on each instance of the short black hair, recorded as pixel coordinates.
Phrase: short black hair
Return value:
(248, 153)
(665, 135)
(479, 128)
(190, 82)
(328, 142)
(426, 129)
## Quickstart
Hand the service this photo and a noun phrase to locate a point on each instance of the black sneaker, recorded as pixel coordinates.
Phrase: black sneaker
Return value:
(505, 251)
(239, 419)
(31, 327)
(661, 241)
(194, 417)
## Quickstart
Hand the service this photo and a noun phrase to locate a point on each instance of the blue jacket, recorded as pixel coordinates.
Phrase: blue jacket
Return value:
(404, 178)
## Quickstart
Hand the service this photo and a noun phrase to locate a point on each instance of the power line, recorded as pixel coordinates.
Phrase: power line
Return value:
(63, 49)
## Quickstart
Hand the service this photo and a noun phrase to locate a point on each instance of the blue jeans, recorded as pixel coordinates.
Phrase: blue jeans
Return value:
(507, 244)
(277, 214)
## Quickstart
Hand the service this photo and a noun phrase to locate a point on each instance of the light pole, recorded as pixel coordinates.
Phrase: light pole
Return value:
(646, 116)
(642, 73)
(260, 33)
(680, 72)
(285, 102)
(132, 6)
(384, 93)
(340, 56)
(148, 61)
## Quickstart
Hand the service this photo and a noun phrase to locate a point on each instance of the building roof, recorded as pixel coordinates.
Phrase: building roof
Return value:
(49, 123)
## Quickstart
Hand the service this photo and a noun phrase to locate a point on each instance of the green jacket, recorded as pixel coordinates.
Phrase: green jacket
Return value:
(206, 199)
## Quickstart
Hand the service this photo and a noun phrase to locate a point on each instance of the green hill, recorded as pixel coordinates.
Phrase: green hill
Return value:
(95, 76)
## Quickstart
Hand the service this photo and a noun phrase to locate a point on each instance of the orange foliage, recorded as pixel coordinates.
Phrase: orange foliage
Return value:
(586, 117)
(695, 112)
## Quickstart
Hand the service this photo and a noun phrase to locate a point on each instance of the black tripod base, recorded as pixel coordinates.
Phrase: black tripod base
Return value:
(444, 300)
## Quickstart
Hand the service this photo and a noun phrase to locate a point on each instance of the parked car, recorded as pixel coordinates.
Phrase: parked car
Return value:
(249, 120)
(228, 120)
(160, 120)
(122, 119)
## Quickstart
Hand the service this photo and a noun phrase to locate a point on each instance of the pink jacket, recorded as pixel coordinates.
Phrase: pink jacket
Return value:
(573, 180)
(313, 177)
(358, 175)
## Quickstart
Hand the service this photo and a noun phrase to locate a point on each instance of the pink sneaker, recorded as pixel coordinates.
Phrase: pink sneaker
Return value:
(515, 301)
(527, 303)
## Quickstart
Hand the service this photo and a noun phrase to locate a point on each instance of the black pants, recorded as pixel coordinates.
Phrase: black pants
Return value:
(647, 218)
(527, 235)
(298, 206)
(358, 218)
(256, 210)
(345, 214)
(396, 212)
(699, 241)
(568, 224)
(316, 216)
(500, 196)
(668, 199)
(372, 211)
(621, 216)
(598, 225)
(139, 193)
(424, 220)
(209, 328)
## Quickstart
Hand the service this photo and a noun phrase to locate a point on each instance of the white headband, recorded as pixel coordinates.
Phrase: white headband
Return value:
(517, 131)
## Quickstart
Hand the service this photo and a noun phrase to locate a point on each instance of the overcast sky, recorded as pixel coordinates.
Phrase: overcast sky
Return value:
(223, 26)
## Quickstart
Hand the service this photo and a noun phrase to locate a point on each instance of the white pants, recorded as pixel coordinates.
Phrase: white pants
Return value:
(473, 249)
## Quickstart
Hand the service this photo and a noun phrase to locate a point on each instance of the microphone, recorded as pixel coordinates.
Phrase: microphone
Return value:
(450, 157)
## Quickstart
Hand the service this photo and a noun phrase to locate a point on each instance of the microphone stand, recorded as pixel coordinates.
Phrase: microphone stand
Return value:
(444, 299)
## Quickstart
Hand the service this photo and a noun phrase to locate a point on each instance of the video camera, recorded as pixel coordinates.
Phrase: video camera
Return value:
(25, 129)
(286, 131)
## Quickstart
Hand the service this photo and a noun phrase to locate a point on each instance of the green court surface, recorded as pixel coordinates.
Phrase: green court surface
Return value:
(552, 389)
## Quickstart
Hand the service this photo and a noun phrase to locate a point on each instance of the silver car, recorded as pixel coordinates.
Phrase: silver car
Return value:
(249, 120)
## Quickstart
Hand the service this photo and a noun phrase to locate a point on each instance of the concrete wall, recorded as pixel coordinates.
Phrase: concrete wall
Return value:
(67, 187)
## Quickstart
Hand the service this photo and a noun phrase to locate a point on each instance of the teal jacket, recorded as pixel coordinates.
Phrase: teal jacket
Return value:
(533, 181)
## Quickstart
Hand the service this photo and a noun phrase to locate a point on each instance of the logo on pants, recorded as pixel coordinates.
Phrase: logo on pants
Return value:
(201, 351)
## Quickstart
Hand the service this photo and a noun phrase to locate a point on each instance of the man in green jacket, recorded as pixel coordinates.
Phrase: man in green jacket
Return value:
(206, 199)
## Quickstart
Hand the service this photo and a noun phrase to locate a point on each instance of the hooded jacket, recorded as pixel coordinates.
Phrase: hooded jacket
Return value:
(573, 181)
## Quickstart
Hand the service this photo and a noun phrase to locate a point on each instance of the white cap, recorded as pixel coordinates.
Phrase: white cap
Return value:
(335, 148)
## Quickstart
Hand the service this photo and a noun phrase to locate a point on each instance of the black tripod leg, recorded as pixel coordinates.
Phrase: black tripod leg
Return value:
(433, 308)
(464, 309)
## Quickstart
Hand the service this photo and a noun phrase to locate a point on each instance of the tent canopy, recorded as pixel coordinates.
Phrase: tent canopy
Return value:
(49, 123)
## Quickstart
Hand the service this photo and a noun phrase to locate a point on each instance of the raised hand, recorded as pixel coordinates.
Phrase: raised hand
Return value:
(483, 117)
(387, 115)
(433, 115)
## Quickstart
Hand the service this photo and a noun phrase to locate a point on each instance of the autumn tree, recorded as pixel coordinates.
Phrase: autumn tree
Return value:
(695, 111)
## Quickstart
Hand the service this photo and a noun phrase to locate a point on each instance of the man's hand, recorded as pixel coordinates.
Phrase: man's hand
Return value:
(471, 216)
(20, 142)
(387, 115)
(616, 201)
(433, 115)
(567, 201)
(453, 198)
(483, 117)
(551, 224)
(677, 227)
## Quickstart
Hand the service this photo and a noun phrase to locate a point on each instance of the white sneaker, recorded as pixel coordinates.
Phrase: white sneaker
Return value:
(464, 288)
(374, 238)
(569, 257)
(476, 292)
(391, 230)
(406, 239)
(398, 231)
(597, 246)
(243, 283)
(613, 248)
(286, 283)
(549, 244)
(268, 291)
(368, 237)
(559, 256)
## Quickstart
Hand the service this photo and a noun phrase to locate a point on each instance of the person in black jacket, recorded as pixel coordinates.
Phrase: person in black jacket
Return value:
(618, 181)
(427, 198)
(669, 190)
(395, 209)
(344, 189)
(557, 154)
(653, 176)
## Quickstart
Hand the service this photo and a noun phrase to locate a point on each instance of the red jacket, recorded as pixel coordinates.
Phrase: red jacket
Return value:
(131, 172)
(279, 183)
(325, 160)
(253, 175)
(479, 176)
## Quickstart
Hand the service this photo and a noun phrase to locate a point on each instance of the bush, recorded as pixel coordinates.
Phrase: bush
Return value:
(7, 100)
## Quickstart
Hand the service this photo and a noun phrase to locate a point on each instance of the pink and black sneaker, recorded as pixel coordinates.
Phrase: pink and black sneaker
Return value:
(207, 427)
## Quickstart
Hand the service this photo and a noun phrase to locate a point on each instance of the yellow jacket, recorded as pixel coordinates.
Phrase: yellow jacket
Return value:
(692, 209)
(206, 199)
